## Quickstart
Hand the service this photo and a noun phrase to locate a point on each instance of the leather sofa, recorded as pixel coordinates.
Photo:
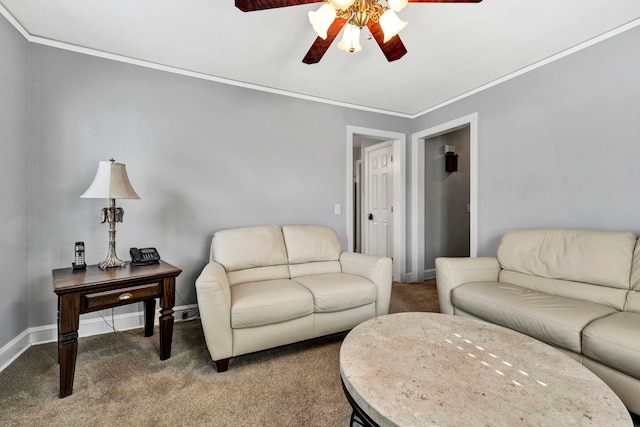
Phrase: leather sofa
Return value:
(577, 290)
(268, 286)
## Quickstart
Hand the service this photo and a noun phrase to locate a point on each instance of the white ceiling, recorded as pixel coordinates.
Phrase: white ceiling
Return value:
(452, 48)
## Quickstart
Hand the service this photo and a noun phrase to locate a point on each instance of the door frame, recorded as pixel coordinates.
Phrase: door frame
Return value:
(399, 141)
(418, 141)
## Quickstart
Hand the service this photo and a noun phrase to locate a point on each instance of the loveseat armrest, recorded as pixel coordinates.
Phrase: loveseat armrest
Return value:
(377, 269)
(452, 272)
(214, 303)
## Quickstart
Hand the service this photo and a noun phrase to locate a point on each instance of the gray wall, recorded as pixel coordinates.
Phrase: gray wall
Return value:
(13, 183)
(559, 146)
(446, 225)
(203, 156)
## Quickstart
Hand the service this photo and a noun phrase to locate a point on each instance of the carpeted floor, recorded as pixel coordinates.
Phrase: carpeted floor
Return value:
(121, 381)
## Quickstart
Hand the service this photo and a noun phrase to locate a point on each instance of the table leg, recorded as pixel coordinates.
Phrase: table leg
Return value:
(69, 319)
(167, 301)
(149, 314)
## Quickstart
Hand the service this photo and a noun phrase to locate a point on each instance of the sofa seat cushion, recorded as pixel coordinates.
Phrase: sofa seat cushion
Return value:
(556, 320)
(615, 341)
(270, 301)
(338, 291)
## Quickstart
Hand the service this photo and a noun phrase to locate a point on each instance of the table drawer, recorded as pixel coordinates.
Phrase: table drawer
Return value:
(116, 297)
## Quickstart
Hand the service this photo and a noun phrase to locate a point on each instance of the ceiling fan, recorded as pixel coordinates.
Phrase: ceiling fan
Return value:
(353, 15)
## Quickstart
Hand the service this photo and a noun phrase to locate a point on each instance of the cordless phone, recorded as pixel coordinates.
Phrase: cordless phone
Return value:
(79, 263)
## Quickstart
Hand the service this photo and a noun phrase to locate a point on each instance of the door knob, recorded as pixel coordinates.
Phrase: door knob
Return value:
(370, 217)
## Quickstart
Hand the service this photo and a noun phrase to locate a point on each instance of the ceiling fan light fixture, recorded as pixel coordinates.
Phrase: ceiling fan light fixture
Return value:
(391, 24)
(322, 19)
(397, 5)
(341, 4)
(350, 39)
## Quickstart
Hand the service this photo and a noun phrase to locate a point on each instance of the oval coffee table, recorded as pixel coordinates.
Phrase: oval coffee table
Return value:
(418, 369)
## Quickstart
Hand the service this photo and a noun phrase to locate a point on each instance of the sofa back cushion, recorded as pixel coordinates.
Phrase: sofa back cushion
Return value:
(251, 253)
(590, 256)
(312, 249)
(633, 299)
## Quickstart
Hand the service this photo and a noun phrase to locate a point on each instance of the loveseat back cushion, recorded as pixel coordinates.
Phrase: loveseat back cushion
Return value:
(249, 247)
(311, 243)
(615, 341)
(589, 256)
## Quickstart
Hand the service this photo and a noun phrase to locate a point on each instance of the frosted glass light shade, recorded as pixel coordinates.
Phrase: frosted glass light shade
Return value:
(111, 182)
(322, 19)
(391, 24)
(350, 39)
(397, 5)
(341, 4)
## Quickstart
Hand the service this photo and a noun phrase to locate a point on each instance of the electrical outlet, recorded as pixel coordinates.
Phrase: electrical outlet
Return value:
(185, 315)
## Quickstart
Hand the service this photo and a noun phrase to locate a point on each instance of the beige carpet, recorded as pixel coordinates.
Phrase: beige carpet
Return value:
(121, 381)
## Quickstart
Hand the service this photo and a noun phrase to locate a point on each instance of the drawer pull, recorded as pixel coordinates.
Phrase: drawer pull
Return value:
(125, 296)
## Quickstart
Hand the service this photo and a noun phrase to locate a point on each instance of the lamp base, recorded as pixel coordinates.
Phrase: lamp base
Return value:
(112, 259)
(111, 263)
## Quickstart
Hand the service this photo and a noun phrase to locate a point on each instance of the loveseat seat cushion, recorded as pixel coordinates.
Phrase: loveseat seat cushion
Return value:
(266, 302)
(615, 341)
(338, 291)
(553, 319)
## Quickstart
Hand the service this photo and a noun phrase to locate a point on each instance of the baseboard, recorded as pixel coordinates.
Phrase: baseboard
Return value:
(93, 326)
(413, 277)
(14, 348)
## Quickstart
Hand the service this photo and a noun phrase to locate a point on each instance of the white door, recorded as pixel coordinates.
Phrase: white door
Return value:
(378, 204)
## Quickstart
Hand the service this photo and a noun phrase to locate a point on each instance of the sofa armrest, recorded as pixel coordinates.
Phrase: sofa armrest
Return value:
(452, 272)
(214, 303)
(376, 269)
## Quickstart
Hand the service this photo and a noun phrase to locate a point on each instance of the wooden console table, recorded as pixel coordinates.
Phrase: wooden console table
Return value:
(83, 291)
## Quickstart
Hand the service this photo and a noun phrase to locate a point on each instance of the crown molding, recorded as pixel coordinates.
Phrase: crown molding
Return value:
(175, 70)
(621, 29)
(13, 21)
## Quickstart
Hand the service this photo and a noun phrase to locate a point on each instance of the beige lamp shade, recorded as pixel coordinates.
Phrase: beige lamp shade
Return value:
(111, 182)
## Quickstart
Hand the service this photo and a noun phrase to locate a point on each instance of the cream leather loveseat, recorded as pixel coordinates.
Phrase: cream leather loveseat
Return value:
(268, 286)
(577, 290)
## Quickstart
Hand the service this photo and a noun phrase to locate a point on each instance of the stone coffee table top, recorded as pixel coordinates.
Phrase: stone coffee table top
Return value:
(412, 369)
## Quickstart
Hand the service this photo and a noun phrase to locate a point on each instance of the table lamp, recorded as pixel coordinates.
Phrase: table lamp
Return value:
(111, 182)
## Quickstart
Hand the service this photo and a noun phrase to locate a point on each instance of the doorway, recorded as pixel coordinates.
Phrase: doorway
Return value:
(435, 227)
(357, 140)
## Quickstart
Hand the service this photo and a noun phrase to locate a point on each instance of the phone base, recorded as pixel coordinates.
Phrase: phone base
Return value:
(82, 266)
(143, 263)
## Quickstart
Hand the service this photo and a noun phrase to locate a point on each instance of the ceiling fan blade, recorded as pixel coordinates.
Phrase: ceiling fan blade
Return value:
(444, 1)
(393, 49)
(320, 46)
(251, 5)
